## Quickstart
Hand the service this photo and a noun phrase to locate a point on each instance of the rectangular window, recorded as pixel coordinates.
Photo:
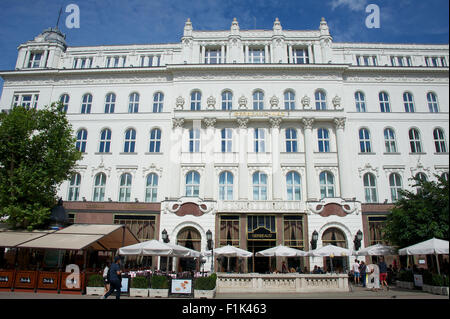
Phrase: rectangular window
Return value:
(434, 60)
(300, 56)
(213, 56)
(408, 61)
(293, 231)
(393, 61)
(229, 231)
(260, 145)
(28, 100)
(142, 226)
(256, 56)
(443, 62)
(366, 60)
(374, 60)
(35, 60)
(375, 230)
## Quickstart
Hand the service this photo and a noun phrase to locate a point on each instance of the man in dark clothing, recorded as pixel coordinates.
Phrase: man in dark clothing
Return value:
(114, 279)
(362, 272)
(383, 272)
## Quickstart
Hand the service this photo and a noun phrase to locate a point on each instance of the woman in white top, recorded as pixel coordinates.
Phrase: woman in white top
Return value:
(355, 268)
(105, 278)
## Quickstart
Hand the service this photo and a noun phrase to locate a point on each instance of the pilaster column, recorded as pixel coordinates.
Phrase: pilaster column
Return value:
(310, 54)
(208, 146)
(202, 54)
(27, 59)
(291, 57)
(51, 57)
(175, 157)
(311, 182)
(246, 57)
(243, 158)
(222, 54)
(44, 60)
(276, 167)
(266, 54)
(344, 171)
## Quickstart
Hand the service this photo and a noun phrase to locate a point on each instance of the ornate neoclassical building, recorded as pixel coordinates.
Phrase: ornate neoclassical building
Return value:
(262, 137)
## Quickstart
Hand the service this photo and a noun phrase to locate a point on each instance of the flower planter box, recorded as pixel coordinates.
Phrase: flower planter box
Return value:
(159, 293)
(435, 290)
(138, 292)
(205, 294)
(95, 291)
(405, 285)
(427, 288)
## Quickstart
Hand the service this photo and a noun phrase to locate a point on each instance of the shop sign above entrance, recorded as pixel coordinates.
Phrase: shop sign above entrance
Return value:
(262, 233)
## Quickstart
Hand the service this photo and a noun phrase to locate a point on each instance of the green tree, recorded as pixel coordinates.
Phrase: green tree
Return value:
(37, 153)
(420, 214)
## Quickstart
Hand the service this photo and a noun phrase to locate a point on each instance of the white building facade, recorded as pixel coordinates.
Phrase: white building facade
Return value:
(262, 137)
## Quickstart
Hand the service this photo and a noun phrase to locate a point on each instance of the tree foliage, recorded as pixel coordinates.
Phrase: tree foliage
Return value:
(37, 153)
(420, 214)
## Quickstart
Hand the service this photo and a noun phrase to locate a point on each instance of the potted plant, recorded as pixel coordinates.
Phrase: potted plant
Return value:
(406, 279)
(159, 287)
(205, 287)
(95, 286)
(139, 287)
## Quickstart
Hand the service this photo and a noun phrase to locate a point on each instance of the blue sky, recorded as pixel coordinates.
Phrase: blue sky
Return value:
(162, 21)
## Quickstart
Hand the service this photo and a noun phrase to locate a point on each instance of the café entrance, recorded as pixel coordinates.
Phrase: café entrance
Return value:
(261, 234)
(336, 237)
(189, 237)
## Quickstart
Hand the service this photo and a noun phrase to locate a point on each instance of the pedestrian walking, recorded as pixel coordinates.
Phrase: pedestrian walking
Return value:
(383, 272)
(114, 279)
(355, 269)
(106, 278)
(363, 272)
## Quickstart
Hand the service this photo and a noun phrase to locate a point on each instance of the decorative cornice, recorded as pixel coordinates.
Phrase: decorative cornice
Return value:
(367, 169)
(209, 121)
(275, 122)
(308, 123)
(178, 122)
(242, 122)
(339, 122)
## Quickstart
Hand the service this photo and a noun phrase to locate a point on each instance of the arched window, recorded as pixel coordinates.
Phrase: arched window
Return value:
(64, 99)
(194, 140)
(439, 141)
(414, 141)
(130, 141)
(289, 100)
(360, 101)
(258, 100)
(155, 141)
(421, 177)
(293, 186)
(158, 102)
(196, 101)
(110, 103)
(326, 180)
(321, 100)
(323, 138)
(390, 141)
(259, 186)
(133, 106)
(192, 184)
(105, 141)
(259, 140)
(226, 186)
(408, 102)
(86, 104)
(395, 183)
(226, 140)
(383, 98)
(370, 188)
(151, 188)
(432, 102)
(81, 140)
(74, 187)
(125, 187)
(364, 141)
(99, 187)
(227, 100)
(291, 140)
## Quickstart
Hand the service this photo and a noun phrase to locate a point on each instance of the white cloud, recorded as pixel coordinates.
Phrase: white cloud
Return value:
(354, 5)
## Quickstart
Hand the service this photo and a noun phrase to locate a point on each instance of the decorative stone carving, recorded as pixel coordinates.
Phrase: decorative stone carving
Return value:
(308, 123)
(337, 103)
(274, 103)
(306, 102)
(152, 168)
(101, 169)
(242, 122)
(209, 121)
(178, 122)
(339, 122)
(367, 169)
(275, 122)
(179, 103)
(242, 103)
(211, 102)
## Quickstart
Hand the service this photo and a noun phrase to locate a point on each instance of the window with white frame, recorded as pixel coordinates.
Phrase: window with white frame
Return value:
(27, 100)
(414, 141)
(226, 140)
(300, 56)
(326, 180)
(323, 138)
(86, 104)
(289, 100)
(432, 102)
(256, 55)
(293, 186)
(227, 100)
(321, 100)
(64, 99)
(196, 100)
(105, 141)
(133, 105)
(291, 140)
(360, 101)
(364, 141)
(74, 187)
(81, 140)
(258, 100)
(395, 184)
(125, 187)
(408, 102)
(158, 101)
(155, 140)
(151, 188)
(130, 141)
(259, 140)
(194, 140)
(259, 186)
(383, 98)
(35, 60)
(226, 186)
(192, 184)
(370, 188)
(110, 103)
(213, 56)
(99, 187)
(439, 141)
(390, 140)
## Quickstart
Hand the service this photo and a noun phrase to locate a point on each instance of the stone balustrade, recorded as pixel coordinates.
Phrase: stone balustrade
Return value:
(281, 283)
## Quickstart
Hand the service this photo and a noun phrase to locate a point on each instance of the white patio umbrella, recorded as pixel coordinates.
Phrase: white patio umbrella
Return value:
(431, 246)
(229, 251)
(377, 250)
(282, 251)
(187, 252)
(330, 251)
(151, 248)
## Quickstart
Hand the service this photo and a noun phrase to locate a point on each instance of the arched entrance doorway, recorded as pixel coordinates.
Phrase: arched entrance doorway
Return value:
(336, 237)
(189, 237)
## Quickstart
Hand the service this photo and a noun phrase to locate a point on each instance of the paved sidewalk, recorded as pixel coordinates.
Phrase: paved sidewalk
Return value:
(357, 293)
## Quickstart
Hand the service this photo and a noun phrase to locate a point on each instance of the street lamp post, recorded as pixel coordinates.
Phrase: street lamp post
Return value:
(314, 238)
(357, 241)
(210, 247)
(165, 238)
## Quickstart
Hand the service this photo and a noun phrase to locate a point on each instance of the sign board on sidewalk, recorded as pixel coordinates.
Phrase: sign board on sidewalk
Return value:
(418, 280)
(181, 286)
